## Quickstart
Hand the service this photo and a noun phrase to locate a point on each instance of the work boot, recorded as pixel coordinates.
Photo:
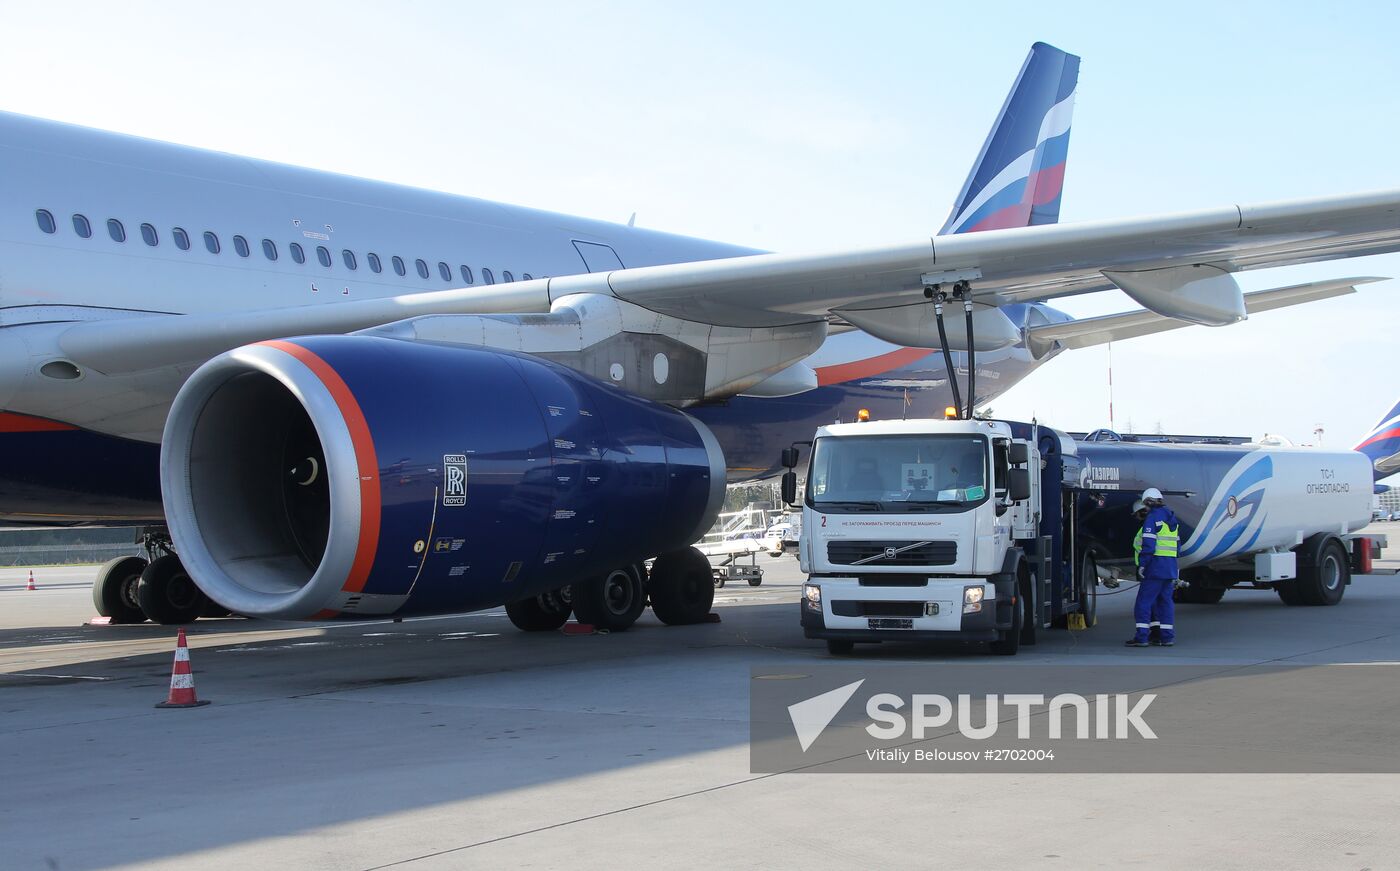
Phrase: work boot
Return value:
(1133, 642)
(1157, 642)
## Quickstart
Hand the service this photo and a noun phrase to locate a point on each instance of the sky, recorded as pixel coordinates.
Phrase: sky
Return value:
(809, 127)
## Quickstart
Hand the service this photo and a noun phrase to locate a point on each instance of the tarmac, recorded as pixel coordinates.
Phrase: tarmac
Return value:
(459, 742)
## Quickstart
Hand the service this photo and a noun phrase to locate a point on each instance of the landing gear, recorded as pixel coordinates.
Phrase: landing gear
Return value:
(167, 594)
(542, 613)
(114, 591)
(681, 587)
(612, 601)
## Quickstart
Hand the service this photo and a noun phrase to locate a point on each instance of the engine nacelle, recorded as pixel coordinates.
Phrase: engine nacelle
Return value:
(343, 475)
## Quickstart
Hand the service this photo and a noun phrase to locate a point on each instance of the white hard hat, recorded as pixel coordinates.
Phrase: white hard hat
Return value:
(1138, 506)
(1151, 494)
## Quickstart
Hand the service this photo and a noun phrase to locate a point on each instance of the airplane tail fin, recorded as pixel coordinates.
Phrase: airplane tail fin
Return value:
(1382, 444)
(1018, 176)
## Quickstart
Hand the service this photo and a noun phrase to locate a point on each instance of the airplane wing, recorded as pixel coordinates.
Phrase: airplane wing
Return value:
(1178, 266)
(1085, 332)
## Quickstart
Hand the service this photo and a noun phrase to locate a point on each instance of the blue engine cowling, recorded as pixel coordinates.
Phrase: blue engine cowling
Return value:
(344, 475)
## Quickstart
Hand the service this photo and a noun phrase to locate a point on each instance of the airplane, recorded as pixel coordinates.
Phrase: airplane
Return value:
(1382, 445)
(333, 397)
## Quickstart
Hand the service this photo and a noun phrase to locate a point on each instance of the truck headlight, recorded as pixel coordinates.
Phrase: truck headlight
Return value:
(812, 596)
(972, 599)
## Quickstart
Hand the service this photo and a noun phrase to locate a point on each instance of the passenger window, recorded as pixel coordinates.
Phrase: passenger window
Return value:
(374, 264)
(211, 241)
(526, 277)
(115, 230)
(422, 268)
(148, 233)
(241, 246)
(323, 255)
(82, 227)
(182, 239)
(506, 276)
(349, 257)
(445, 271)
(269, 249)
(398, 265)
(467, 274)
(297, 254)
(45, 219)
(486, 276)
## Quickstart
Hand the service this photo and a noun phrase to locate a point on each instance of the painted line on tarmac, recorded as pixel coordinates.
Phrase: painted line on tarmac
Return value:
(53, 676)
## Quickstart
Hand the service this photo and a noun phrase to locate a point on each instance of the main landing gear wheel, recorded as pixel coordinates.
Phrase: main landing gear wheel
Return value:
(612, 601)
(167, 593)
(542, 613)
(114, 590)
(682, 587)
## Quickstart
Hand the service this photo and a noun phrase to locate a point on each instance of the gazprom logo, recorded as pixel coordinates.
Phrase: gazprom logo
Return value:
(454, 479)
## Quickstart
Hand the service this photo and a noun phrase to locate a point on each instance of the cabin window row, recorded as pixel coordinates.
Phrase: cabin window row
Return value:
(117, 231)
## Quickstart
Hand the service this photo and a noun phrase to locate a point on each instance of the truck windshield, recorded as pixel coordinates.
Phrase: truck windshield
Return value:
(898, 472)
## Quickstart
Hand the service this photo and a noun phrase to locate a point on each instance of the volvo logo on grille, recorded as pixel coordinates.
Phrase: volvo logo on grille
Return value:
(890, 552)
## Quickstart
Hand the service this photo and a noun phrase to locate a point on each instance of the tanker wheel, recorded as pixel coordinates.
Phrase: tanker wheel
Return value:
(542, 613)
(612, 601)
(114, 590)
(682, 587)
(1322, 583)
(167, 593)
(1089, 590)
(1194, 595)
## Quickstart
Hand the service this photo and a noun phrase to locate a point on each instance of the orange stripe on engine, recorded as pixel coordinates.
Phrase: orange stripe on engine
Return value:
(324, 614)
(367, 463)
(13, 422)
(857, 369)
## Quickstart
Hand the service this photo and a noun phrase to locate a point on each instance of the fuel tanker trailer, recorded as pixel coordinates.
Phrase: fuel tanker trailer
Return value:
(991, 530)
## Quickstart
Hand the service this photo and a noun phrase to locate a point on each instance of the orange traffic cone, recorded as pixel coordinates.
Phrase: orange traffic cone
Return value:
(181, 679)
(31, 581)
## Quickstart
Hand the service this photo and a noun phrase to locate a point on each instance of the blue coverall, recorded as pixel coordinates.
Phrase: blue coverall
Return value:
(1160, 540)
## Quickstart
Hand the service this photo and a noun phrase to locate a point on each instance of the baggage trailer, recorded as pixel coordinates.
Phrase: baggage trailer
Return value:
(995, 531)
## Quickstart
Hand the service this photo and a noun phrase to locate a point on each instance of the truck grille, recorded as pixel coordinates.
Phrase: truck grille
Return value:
(907, 553)
(847, 608)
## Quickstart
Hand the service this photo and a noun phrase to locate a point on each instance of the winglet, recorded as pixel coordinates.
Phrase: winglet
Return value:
(1018, 176)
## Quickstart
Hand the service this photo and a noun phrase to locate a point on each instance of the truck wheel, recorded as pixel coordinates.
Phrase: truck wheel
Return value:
(837, 647)
(1089, 590)
(167, 593)
(1027, 610)
(1321, 583)
(543, 613)
(1010, 640)
(612, 601)
(682, 587)
(1194, 595)
(114, 590)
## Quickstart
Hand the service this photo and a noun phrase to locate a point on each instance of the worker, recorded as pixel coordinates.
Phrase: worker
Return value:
(1157, 572)
(1140, 515)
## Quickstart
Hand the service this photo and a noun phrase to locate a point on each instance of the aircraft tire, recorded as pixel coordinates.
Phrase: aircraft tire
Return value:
(682, 587)
(168, 595)
(611, 601)
(542, 613)
(114, 590)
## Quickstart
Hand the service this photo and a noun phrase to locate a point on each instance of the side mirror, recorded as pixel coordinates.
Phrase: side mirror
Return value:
(790, 486)
(1018, 453)
(1018, 484)
(789, 460)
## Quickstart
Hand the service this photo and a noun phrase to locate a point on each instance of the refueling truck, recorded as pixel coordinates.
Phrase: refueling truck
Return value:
(995, 531)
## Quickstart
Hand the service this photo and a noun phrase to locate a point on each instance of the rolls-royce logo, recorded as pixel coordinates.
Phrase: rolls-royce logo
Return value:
(890, 552)
(454, 479)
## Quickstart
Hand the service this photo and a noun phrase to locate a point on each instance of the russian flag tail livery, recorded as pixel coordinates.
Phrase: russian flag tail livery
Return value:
(1018, 177)
(1382, 444)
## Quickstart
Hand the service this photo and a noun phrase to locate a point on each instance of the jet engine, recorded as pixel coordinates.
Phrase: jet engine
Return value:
(343, 475)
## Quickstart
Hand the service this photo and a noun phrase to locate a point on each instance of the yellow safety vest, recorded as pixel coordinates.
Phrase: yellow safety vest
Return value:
(1137, 548)
(1167, 538)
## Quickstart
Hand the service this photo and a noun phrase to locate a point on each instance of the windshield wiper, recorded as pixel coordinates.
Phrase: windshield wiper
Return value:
(851, 503)
(937, 502)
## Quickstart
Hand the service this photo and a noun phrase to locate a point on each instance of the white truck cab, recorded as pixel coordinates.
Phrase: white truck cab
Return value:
(910, 532)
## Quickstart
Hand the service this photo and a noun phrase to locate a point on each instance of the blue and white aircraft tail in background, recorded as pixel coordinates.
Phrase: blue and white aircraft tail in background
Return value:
(1382, 444)
(346, 397)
